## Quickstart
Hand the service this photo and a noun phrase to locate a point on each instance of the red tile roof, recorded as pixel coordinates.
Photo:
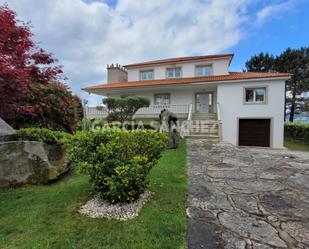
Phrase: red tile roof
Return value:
(181, 59)
(232, 76)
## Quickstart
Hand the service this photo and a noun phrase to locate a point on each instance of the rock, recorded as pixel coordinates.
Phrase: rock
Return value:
(99, 208)
(299, 180)
(248, 185)
(298, 230)
(250, 227)
(233, 242)
(173, 139)
(246, 203)
(5, 129)
(260, 246)
(24, 162)
(204, 233)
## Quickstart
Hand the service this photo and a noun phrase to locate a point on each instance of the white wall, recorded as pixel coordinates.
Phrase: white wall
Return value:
(220, 67)
(178, 97)
(232, 107)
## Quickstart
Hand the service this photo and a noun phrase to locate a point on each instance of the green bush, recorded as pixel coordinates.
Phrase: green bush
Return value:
(117, 161)
(297, 131)
(130, 126)
(98, 123)
(41, 135)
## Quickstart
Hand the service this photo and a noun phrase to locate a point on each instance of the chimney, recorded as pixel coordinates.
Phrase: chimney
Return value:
(116, 73)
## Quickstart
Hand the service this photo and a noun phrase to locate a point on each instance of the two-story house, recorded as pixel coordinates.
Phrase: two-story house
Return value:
(243, 108)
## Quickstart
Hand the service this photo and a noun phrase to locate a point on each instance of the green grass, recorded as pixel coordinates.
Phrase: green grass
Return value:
(295, 145)
(46, 216)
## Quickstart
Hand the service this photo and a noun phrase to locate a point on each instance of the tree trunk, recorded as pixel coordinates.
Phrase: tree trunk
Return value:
(293, 103)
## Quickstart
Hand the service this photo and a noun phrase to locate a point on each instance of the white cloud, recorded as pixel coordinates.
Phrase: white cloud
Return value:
(87, 36)
(273, 10)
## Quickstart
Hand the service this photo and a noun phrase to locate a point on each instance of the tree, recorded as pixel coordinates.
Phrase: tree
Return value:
(56, 107)
(22, 63)
(293, 61)
(263, 62)
(123, 108)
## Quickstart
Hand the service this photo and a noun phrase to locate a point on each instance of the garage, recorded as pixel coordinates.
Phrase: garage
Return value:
(254, 132)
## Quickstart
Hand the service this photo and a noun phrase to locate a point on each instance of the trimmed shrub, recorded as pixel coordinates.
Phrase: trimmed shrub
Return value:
(99, 123)
(297, 131)
(41, 135)
(117, 161)
(123, 109)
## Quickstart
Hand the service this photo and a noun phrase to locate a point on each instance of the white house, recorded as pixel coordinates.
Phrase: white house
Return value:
(243, 108)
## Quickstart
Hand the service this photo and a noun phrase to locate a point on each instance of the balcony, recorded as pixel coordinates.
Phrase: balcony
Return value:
(152, 111)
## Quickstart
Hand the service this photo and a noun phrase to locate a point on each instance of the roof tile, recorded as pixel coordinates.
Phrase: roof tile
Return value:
(206, 79)
(181, 59)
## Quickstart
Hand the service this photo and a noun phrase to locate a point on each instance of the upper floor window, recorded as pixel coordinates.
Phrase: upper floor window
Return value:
(147, 75)
(255, 95)
(204, 70)
(173, 72)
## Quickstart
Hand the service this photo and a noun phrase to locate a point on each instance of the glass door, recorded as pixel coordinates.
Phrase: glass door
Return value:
(204, 102)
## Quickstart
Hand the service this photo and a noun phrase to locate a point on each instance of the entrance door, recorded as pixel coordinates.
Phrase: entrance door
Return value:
(204, 102)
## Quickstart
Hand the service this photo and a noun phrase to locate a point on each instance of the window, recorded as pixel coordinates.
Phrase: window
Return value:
(173, 72)
(255, 95)
(162, 99)
(147, 75)
(203, 70)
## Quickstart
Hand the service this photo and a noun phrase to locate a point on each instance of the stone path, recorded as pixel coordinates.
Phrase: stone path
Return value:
(247, 198)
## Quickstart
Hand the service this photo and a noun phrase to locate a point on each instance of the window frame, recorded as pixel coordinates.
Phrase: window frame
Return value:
(173, 68)
(204, 65)
(158, 94)
(146, 70)
(254, 102)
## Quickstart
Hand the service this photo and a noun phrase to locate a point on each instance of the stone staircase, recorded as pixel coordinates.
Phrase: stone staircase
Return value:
(204, 126)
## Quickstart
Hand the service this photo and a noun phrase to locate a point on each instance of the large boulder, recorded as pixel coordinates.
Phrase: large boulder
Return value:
(31, 162)
(5, 129)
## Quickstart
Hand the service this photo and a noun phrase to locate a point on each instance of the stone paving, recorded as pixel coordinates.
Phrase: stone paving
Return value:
(247, 198)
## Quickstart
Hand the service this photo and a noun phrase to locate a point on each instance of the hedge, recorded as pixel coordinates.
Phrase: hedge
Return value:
(117, 161)
(98, 123)
(40, 135)
(297, 131)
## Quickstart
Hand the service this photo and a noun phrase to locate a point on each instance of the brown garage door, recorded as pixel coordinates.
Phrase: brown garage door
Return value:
(254, 132)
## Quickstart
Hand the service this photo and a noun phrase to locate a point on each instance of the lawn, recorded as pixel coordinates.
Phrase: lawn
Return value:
(296, 145)
(46, 216)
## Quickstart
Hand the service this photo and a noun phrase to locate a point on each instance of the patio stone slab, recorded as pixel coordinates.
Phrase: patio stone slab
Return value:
(243, 198)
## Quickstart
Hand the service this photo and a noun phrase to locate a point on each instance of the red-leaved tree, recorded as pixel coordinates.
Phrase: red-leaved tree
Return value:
(22, 63)
(55, 107)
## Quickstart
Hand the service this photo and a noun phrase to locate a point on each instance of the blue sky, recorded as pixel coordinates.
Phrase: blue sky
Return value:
(287, 29)
(85, 35)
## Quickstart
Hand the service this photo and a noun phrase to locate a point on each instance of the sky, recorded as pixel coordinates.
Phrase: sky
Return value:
(86, 35)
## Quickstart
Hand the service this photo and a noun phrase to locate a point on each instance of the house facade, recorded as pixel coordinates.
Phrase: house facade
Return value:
(242, 108)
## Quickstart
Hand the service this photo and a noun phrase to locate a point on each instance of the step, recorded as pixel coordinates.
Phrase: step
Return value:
(205, 118)
(204, 130)
(205, 114)
(203, 122)
(204, 136)
(210, 126)
(206, 126)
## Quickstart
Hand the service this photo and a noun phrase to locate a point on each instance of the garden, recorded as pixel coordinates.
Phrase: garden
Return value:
(55, 164)
(47, 216)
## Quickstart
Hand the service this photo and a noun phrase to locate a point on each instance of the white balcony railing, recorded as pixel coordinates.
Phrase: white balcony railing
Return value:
(95, 112)
(156, 109)
(151, 111)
